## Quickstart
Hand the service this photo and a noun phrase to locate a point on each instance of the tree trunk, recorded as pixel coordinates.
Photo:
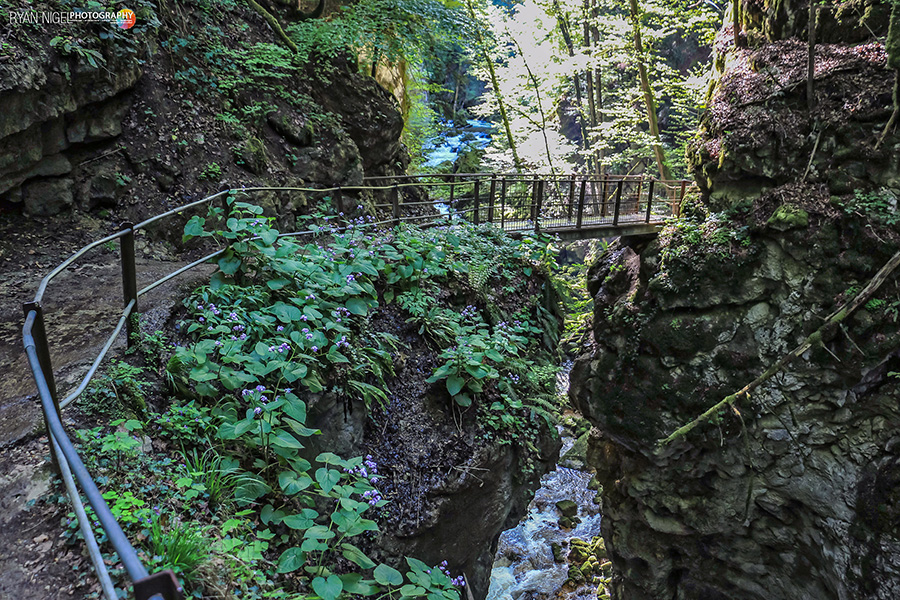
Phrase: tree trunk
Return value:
(811, 61)
(647, 91)
(490, 65)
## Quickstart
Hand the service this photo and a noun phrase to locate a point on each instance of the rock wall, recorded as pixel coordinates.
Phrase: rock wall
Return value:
(141, 119)
(792, 493)
(758, 134)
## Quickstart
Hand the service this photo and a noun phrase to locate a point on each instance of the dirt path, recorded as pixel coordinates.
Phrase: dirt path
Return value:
(82, 306)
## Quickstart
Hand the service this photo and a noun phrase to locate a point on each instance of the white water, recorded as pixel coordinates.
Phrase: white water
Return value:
(524, 565)
(447, 149)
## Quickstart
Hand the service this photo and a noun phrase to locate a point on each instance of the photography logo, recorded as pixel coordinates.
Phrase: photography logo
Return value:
(124, 19)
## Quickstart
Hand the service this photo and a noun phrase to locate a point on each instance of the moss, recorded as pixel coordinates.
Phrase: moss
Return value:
(557, 552)
(251, 154)
(567, 508)
(575, 575)
(789, 217)
(892, 45)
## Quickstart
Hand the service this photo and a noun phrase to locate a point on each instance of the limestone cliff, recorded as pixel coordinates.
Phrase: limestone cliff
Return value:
(99, 119)
(793, 493)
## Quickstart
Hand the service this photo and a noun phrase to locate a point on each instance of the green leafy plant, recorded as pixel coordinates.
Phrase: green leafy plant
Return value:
(179, 546)
(211, 171)
(120, 389)
(71, 46)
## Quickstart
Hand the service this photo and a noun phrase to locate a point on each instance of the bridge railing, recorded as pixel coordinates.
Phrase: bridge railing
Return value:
(523, 202)
(516, 202)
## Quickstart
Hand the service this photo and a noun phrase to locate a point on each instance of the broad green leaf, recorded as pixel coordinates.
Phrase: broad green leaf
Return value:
(463, 400)
(355, 584)
(386, 575)
(293, 483)
(494, 355)
(336, 357)
(290, 560)
(311, 312)
(311, 545)
(277, 284)
(283, 439)
(356, 556)
(268, 515)
(298, 522)
(417, 565)
(327, 478)
(455, 384)
(268, 236)
(357, 306)
(295, 371)
(313, 384)
(229, 264)
(295, 407)
(318, 532)
(328, 589)
(410, 591)
(286, 313)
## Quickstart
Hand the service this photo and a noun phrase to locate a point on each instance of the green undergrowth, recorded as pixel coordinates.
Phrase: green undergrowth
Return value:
(221, 487)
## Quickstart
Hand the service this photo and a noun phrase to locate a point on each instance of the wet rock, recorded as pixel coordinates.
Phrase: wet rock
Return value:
(567, 508)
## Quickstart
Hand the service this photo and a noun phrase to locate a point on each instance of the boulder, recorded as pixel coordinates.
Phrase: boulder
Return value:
(47, 197)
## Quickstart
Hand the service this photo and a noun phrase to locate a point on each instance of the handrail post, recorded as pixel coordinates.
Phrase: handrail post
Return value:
(539, 201)
(158, 586)
(395, 204)
(649, 197)
(450, 202)
(42, 347)
(476, 203)
(677, 211)
(503, 202)
(339, 204)
(571, 197)
(637, 197)
(491, 194)
(604, 188)
(618, 203)
(129, 278)
(581, 195)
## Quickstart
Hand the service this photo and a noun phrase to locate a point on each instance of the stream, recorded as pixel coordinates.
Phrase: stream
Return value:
(447, 148)
(524, 566)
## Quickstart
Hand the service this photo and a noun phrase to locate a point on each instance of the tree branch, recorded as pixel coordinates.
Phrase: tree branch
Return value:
(815, 338)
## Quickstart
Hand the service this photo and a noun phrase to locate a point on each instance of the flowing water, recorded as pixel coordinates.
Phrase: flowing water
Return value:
(524, 566)
(448, 148)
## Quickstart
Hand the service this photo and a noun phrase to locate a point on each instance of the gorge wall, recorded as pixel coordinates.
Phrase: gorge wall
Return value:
(186, 102)
(792, 493)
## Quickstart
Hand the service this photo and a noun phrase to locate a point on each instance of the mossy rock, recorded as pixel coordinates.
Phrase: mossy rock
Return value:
(567, 508)
(251, 155)
(598, 547)
(579, 551)
(575, 575)
(569, 522)
(557, 550)
(575, 457)
(789, 217)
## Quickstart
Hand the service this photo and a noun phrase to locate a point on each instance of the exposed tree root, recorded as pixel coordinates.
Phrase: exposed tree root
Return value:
(273, 23)
(895, 115)
(815, 338)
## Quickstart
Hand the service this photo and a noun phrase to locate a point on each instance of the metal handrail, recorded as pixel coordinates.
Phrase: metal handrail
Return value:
(163, 585)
